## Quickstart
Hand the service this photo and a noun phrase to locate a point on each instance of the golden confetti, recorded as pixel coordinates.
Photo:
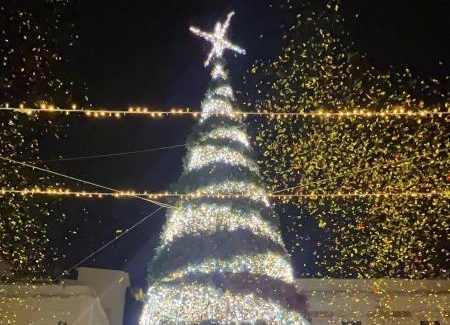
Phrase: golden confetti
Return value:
(365, 236)
(30, 70)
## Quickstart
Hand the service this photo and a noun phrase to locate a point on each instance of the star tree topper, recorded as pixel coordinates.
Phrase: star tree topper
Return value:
(218, 39)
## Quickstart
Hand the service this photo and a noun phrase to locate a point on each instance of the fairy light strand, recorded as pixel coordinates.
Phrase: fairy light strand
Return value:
(80, 180)
(250, 195)
(318, 114)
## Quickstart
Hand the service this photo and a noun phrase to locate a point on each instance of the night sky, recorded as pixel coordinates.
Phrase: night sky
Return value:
(141, 53)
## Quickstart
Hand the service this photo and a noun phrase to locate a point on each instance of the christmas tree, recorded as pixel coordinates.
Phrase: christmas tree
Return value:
(221, 259)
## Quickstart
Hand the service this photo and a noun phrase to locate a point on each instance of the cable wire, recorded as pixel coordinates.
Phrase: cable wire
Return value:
(99, 156)
(82, 181)
(108, 244)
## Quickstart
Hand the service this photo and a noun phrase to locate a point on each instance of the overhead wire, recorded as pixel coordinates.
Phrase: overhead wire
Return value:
(108, 244)
(115, 154)
(81, 181)
(276, 194)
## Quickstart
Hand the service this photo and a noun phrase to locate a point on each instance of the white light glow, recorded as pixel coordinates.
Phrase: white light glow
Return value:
(229, 133)
(272, 265)
(218, 39)
(193, 304)
(230, 188)
(216, 106)
(218, 71)
(173, 299)
(206, 219)
(225, 91)
(202, 156)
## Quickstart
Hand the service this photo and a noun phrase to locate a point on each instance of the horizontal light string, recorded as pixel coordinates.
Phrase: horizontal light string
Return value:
(146, 112)
(48, 171)
(167, 195)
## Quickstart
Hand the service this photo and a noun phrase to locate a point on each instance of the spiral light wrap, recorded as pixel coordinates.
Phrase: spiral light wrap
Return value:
(221, 259)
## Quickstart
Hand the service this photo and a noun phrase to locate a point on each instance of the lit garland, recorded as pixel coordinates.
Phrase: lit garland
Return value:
(272, 265)
(225, 91)
(244, 189)
(216, 107)
(207, 193)
(229, 133)
(215, 110)
(192, 304)
(206, 155)
(102, 113)
(50, 172)
(206, 219)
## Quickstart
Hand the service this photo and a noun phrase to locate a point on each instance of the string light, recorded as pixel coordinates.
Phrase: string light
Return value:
(103, 113)
(216, 107)
(193, 304)
(228, 133)
(206, 219)
(202, 156)
(225, 91)
(258, 193)
(199, 195)
(180, 112)
(50, 172)
(260, 264)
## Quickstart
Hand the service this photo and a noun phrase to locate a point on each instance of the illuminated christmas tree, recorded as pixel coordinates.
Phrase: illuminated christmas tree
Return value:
(221, 259)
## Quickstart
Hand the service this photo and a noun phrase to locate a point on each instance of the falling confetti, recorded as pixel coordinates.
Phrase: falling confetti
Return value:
(359, 237)
(32, 70)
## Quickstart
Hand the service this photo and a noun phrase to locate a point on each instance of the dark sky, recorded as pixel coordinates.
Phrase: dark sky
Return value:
(141, 52)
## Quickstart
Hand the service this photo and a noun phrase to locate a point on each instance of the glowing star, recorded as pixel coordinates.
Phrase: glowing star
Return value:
(218, 39)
